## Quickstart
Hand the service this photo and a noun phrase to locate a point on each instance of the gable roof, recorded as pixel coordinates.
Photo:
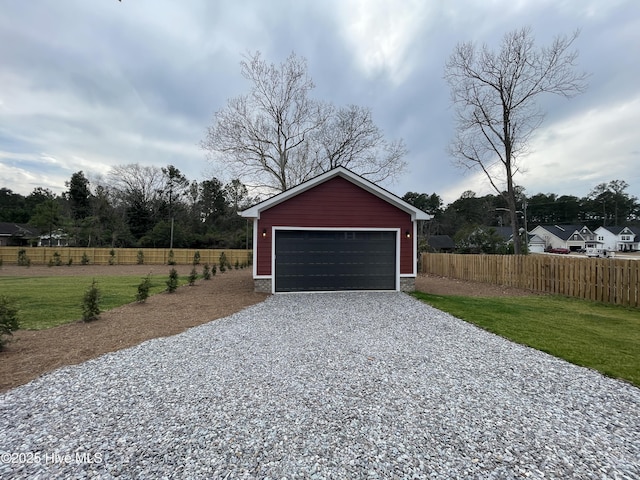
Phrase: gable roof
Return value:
(563, 232)
(617, 230)
(505, 232)
(416, 213)
(439, 242)
(10, 229)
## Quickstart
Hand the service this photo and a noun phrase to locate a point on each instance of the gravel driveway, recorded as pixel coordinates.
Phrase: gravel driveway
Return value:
(344, 385)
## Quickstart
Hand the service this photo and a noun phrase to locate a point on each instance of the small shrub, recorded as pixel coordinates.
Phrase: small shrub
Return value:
(55, 260)
(171, 260)
(196, 258)
(172, 283)
(9, 322)
(193, 276)
(23, 258)
(91, 303)
(1, 261)
(143, 289)
(112, 257)
(140, 257)
(206, 272)
(85, 259)
(237, 265)
(69, 262)
(223, 262)
(214, 269)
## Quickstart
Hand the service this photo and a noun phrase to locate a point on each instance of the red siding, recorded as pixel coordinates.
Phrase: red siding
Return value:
(334, 203)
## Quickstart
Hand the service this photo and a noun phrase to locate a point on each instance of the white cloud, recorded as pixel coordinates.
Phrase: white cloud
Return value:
(586, 149)
(380, 32)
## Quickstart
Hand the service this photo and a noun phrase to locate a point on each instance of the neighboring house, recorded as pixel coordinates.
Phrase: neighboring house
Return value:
(57, 239)
(504, 232)
(621, 239)
(571, 237)
(440, 244)
(337, 231)
(16, 234)
(536, 244)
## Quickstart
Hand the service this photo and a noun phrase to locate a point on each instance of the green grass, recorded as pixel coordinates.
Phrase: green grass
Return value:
(595, 335)
(45, 302)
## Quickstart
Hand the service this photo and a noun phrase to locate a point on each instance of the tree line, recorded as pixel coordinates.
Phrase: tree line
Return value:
(136, 206)
(607, 204)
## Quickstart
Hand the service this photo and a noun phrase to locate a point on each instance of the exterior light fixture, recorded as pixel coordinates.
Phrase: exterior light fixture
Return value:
(264, 232)
(407, 234)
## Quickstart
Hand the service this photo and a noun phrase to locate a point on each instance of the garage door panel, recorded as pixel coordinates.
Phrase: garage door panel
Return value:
(335, 260)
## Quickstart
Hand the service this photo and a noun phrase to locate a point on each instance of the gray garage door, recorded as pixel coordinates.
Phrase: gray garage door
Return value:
(308, 260)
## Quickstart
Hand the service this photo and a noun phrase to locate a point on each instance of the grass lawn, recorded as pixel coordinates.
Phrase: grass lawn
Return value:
(595, 335)
(45, 302)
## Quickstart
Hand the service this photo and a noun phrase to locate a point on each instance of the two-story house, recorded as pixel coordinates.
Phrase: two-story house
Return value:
(571, 237)
(621, 239)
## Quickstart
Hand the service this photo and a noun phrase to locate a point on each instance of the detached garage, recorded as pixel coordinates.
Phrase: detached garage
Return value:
(337, 231)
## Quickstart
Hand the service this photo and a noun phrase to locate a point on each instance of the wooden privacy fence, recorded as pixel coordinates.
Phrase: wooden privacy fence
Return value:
(607, 280)
(123, 256)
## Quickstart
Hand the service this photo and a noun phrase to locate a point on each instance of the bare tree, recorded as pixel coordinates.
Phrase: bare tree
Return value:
(135, 181)
(351, 139)
(495, 94)
(277, 136)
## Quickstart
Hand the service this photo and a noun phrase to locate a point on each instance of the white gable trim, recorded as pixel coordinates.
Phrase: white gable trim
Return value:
(416, 214)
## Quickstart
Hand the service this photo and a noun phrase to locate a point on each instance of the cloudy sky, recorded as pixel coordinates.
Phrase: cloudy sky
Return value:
(85, 85)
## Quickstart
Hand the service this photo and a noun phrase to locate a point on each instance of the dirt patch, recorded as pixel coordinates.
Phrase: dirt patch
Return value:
(32, 353)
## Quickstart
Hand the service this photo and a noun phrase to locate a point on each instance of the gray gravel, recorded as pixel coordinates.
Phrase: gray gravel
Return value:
(344, 385)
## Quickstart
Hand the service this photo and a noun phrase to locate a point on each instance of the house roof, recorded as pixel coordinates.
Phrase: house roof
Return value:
(617, 229)
(562, 231)
(416, 214)
(505, 232)
(439, 242)
(10, 229)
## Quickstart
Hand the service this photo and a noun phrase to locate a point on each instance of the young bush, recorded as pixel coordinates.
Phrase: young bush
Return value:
(9, 322)
(214, 269)
(223, 262)
(206, 272)
(55, 260)
(237, 265)
(23, 258)
(85, 259)
(140, 257)
(112, 257)
(69, 262)
(171, 260)
(172, 283)
(196, 258)
(1, 261)
(91, 303)
(143, 289)
(193, 276)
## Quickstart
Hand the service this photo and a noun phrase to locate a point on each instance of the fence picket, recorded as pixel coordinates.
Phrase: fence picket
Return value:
(603, 280)
(123, 256)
